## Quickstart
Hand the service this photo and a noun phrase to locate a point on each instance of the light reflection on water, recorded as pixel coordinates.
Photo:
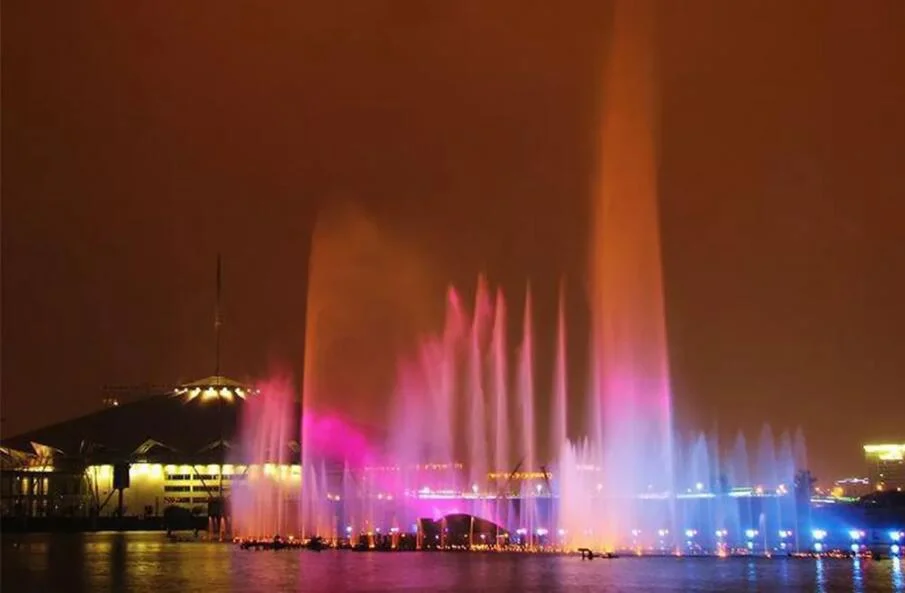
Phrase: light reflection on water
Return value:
(147, 562)
(898, 580)
(820, 572)
(857, 578)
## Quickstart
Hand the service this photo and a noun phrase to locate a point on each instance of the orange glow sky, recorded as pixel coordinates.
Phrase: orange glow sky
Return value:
(141, 139)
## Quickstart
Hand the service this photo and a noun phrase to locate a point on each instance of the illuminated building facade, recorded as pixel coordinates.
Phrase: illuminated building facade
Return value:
(176, 448)
(886, 466)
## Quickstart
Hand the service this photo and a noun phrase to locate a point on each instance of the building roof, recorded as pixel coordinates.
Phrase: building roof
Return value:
(176, 426)
(215, 381)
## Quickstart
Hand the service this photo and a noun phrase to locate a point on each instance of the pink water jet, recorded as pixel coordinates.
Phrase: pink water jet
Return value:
(264, 491)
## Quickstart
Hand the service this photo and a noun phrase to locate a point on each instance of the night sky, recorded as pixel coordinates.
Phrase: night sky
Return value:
(141, 139)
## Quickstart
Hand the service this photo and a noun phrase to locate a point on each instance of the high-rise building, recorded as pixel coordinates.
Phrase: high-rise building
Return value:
(886, 466)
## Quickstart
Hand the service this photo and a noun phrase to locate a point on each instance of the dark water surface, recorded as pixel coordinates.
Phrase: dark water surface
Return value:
(147, 562)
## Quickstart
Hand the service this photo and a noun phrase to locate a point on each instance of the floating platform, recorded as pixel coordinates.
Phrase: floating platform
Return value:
(588, 554)
(279, 543)
(271, 545)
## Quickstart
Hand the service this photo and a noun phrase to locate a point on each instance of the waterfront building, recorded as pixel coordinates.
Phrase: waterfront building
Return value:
(176, 448)
(886, 466)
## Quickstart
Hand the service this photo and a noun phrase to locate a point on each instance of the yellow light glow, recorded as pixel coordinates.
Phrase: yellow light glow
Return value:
(39, 468)
(213, 469)
(519, 475)
(227, 469)
(101, 472)
(886, 452)
(185, 469)
(170, 469)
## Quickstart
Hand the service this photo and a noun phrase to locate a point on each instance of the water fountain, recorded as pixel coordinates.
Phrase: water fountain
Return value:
(442, 459)
(265, 487)
(462, 437)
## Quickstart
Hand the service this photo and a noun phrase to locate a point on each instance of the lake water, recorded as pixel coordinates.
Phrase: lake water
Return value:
(147, 562)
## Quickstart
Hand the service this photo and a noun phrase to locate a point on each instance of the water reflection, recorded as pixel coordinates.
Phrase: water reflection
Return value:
(752, 575)
(784, 573)
(118, 569)
(857, 576)
(140, 563)
(820, 571)
(898, 580)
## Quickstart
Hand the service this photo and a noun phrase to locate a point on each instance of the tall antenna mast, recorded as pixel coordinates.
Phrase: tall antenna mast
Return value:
(217, 320)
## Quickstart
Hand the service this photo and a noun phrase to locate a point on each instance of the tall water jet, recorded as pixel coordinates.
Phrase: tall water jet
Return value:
(766, 457)
(477, 428)
(500, 385)
(525, 395)
(453, 334)
(631, 387)
(357, 319)
(799, 450)
(559, 433)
